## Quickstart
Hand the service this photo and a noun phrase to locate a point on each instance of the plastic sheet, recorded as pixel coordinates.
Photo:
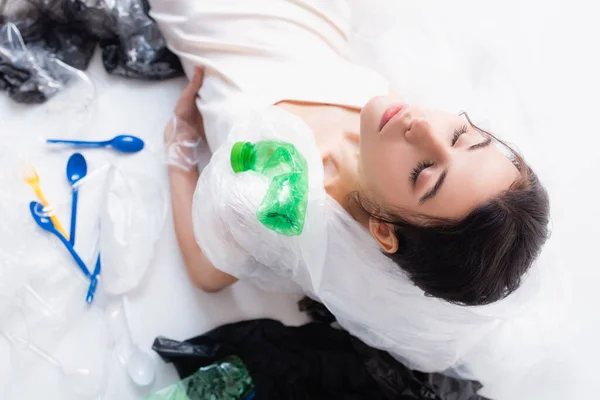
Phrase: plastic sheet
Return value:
(131, 223)
(32, 341)
(18, 264)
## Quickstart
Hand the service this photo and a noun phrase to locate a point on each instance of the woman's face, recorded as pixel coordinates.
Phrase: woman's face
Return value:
(428, 162)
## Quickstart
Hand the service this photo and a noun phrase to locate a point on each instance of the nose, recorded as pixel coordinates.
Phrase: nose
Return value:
(423, 136)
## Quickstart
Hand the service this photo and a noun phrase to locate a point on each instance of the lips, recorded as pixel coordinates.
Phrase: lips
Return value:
(391, 112)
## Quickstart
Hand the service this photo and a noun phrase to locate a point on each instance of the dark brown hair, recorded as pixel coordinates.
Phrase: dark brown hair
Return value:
(482, 257)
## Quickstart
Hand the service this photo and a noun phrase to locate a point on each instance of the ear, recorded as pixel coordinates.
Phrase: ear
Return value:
(384, 235)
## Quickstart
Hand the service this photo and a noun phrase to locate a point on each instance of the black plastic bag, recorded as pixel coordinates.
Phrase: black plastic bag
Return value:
(314, 361)
(29, 77)
(69, 30)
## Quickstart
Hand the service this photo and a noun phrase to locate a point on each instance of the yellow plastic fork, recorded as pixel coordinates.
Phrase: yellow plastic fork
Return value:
(31, 177)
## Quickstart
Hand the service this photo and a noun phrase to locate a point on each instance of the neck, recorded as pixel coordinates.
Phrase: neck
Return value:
(336, 134)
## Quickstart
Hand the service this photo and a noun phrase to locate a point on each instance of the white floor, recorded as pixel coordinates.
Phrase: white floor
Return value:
(526, 69)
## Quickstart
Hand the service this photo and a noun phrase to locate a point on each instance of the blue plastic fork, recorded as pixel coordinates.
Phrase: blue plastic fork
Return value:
(93, 282)
(37, 212)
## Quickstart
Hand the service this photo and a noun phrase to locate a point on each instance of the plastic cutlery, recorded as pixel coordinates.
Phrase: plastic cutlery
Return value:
(31, 177)
(37, 212)
(122, 143)
(93, 282)
(76, 170)
(139, 363)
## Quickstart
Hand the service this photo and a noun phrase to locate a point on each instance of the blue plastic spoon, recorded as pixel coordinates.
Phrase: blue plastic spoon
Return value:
(76, 170)
(93, 282)
(37, 212)
(122, 143)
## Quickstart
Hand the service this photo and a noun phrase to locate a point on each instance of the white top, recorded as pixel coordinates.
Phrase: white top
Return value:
(262, 52)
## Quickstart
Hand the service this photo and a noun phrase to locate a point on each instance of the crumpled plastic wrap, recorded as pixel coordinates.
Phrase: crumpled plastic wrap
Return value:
(131, 43)
(31, 77)
(335, 259)
(67, 31)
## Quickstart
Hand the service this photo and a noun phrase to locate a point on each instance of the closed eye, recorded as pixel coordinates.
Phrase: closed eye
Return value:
(414, 175)
(458, 132)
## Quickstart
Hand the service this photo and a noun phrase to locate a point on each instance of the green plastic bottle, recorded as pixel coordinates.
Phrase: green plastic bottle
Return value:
(226, 380)
(283, 208)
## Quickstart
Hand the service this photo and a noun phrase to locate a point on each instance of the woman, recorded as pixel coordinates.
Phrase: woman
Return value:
(424, 213)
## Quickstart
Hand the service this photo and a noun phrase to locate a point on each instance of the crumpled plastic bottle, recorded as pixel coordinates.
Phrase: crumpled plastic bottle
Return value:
(283, 208)
(226, 380)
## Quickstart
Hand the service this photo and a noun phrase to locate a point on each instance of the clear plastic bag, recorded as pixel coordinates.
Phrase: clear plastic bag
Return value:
(34, 343)
(132, 218)
(33, 76)
(14, 336)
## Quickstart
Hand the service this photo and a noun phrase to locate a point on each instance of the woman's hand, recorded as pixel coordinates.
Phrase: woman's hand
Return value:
(184, 137)
(184, 134)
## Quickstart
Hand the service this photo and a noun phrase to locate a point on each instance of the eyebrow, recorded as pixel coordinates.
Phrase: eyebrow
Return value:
(435, 189)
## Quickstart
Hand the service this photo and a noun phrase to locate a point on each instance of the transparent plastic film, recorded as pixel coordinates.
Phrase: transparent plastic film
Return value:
(28, 255)
(36, 76)
(131, 221)
(27, 335)
(14, 336)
